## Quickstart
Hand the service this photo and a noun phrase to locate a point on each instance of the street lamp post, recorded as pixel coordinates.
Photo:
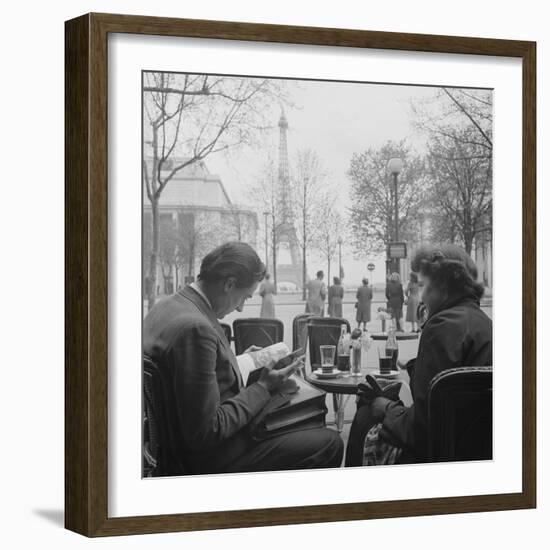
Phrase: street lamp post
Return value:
(395, 165)
(339, 257)
(266, 214)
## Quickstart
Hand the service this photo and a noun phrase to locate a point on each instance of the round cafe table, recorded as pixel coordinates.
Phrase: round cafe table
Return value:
(398, 335)
(343, 387)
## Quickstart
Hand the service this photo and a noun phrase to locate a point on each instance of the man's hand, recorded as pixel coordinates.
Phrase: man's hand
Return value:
(378, 408)
(252, 352)
(274, 380)
(289, 387)
(252, 349)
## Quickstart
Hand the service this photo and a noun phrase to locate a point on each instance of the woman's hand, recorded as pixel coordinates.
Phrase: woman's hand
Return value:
(401, 365)
(378, 408)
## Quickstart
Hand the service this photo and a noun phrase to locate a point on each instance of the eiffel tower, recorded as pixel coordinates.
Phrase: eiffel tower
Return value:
(289, 260)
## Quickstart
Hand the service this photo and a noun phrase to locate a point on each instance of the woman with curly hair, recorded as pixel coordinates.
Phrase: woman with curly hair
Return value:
(457, 333)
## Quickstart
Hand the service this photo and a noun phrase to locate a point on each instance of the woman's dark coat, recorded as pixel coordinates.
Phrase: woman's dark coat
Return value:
(395, 297)
(460, 334)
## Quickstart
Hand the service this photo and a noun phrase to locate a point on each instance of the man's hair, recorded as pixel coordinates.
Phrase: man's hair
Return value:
(320, 274)
(448, 266)
(365, 281)
(336, 280)
(413, 277)
(232, 259)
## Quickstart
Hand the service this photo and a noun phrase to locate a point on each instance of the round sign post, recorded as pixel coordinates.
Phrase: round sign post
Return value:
(370, 267)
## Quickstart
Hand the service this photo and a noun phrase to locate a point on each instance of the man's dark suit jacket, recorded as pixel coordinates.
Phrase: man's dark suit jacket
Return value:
(183, 337)
(459, 335)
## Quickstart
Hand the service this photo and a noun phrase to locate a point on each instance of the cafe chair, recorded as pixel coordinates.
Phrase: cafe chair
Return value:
(299, 330)
(162, 450)
(460, 414)
(254, 331)
(323, 331)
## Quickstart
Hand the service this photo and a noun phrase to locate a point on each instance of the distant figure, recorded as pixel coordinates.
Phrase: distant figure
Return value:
(394, 295)
(335, 296)
(267, 290)
(316, 294)
(412, 294)
(364, 298)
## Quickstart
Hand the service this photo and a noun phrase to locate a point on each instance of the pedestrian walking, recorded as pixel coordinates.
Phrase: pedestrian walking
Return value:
(335, 297)
(316, 294)
(363, 304)
(394, 295)
(267, 290)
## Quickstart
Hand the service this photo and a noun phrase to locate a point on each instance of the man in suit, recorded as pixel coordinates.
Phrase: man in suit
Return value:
(316, 293)
(209, 407)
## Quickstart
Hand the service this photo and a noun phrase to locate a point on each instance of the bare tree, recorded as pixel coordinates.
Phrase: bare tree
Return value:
(265, 194)
(459, 126)
(328, 234)
(236, 223)
(168, 257)
(310, 192)
(188, 117)
(452, 110)
(198, 238)
(239, 224)
(372, 197)
(462, 179)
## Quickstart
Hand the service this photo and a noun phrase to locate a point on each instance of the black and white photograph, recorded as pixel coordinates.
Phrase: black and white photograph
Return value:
(317, 274)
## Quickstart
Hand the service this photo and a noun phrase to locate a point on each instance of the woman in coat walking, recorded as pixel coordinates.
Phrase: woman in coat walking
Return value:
(412, 302)
(394, 295)
(267, 290)
(335, 296)
(456, 333)
(364, 299)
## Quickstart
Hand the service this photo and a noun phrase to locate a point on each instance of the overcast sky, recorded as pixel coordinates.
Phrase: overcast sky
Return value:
(336, 119)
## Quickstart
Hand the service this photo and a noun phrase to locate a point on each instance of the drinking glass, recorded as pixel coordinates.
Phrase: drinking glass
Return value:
(327, 357)
(355, 360)
(384, 362)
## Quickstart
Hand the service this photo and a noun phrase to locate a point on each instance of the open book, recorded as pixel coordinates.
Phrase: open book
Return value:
(251, 364)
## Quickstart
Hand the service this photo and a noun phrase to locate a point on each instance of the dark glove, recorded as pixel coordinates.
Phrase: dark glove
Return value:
(371, 389)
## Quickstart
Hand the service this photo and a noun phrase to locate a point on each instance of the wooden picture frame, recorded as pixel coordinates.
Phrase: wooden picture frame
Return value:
(86, 279)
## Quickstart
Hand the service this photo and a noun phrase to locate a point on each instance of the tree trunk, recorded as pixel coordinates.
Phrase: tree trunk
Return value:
(468, 242)
(191, 262)
(328, 271)
(274, 248)
(151, 298)
(304, 241)
(304, 271)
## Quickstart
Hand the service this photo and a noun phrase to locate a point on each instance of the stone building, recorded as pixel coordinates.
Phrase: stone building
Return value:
(196, 214)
